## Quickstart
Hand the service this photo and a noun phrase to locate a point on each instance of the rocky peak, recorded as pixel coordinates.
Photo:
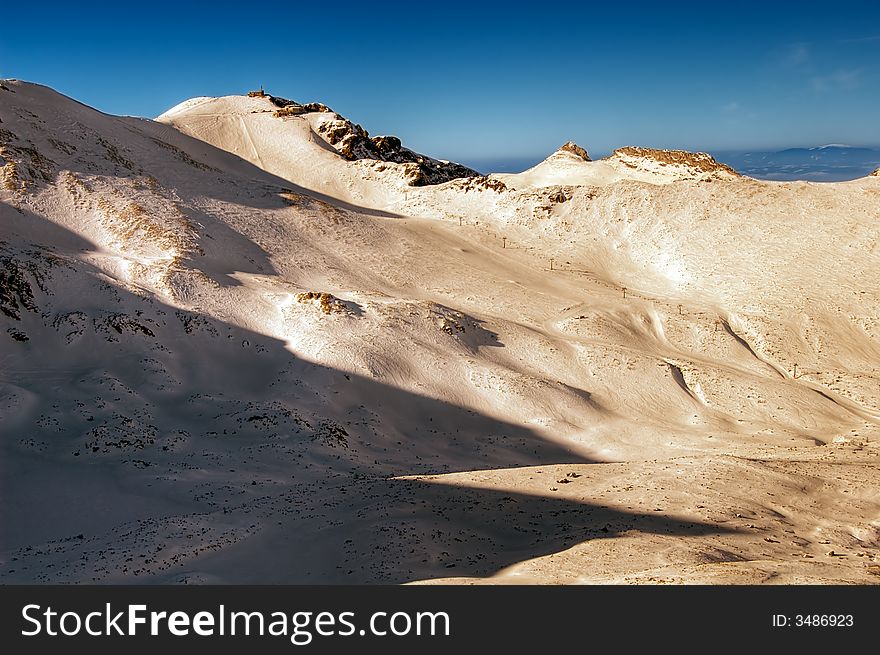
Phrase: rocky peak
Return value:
(575, 149)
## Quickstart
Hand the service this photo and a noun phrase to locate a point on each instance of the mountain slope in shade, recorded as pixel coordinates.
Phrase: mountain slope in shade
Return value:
(232, 354)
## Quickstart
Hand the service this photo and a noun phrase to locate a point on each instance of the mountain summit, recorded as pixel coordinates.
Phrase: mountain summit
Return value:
(572, 147)
(309, 143)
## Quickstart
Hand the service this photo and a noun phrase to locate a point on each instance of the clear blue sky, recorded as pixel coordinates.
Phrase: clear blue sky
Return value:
(480, 80)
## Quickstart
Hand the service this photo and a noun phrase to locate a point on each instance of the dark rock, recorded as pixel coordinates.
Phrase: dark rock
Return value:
(354, 142)
(17, 335)
(15, 289)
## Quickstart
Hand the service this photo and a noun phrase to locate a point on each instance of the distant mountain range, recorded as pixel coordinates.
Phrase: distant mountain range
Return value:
(829, 163)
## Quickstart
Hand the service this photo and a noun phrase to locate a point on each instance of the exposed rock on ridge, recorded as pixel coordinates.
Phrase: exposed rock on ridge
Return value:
(354, 142)
(699, 161)
(292, 108)
(575, 149)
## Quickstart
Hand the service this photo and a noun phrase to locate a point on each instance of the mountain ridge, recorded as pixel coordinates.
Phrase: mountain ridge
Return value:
(233, 355)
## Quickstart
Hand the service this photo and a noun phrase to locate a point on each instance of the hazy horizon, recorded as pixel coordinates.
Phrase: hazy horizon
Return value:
(829, 163)
(825, 171)
(487, 82)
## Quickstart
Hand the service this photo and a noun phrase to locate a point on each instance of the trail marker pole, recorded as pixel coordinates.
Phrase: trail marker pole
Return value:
(794, 372)
(624, 292)
(503, 242)
(551, 264)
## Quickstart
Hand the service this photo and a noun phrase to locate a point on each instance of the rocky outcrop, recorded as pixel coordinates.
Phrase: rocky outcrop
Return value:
(575, 149)
(350, 140)
(875, 173)
(481, 183)
(20, 274)
(700, 162)
(292, 108)
(15, 289)
(328, 303)
(21, 165)
(289, 107)
(354, 142)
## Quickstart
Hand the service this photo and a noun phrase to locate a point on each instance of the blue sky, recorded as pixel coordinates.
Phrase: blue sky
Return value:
(482, 81)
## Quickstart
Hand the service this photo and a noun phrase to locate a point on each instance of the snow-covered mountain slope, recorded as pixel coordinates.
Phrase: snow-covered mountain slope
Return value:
(320, 149)
(231, 353)
(571, 166)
